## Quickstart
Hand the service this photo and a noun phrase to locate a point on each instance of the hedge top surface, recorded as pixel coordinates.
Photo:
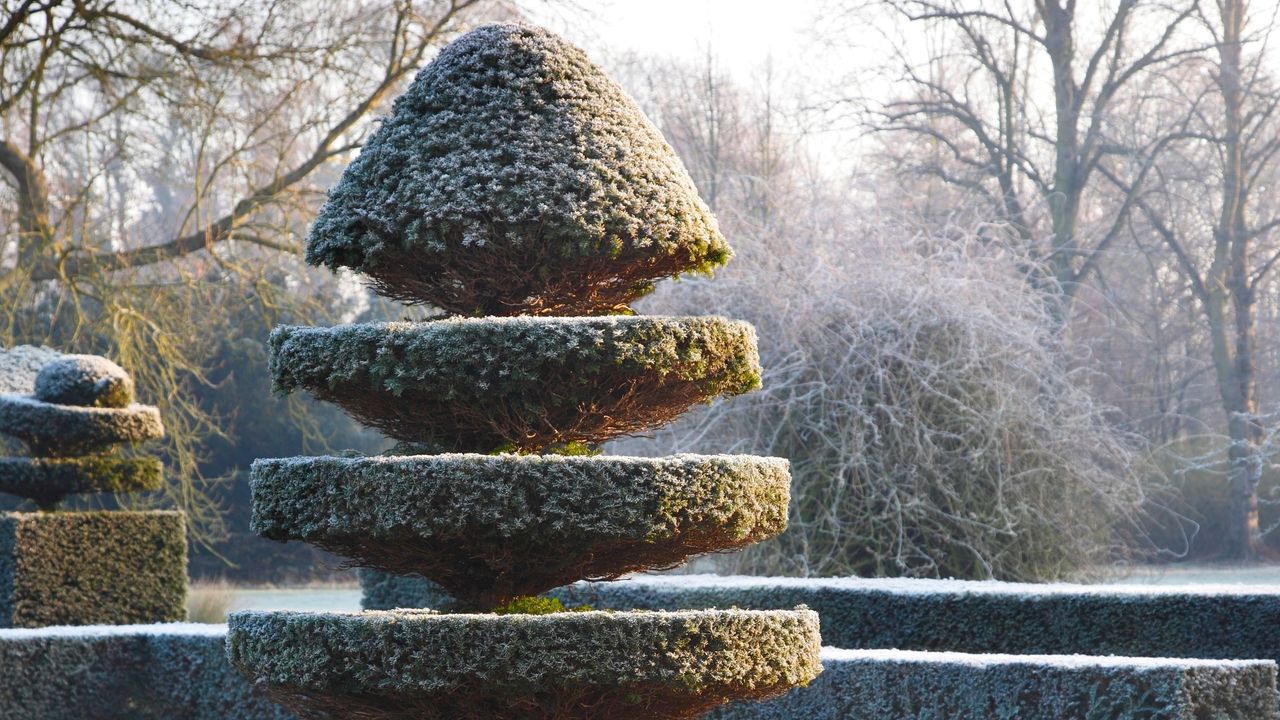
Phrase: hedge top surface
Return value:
(1136, 664)
(479, 384)
(161, 629)
(490, 528)
(511, 162)
(87, 380)
(416, 651)
(923, 586)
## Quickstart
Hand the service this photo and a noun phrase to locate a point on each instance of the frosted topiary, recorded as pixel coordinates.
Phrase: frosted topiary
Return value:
(82, 568)
(513, 151)
(514, 177)
(88, 380)
(416, 665)
(526, 383)
(490, 528)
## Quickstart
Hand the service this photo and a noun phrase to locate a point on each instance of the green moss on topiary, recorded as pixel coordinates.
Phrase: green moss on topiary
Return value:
(536, 605)
(514, 177)
(489, 528)
(62, 430)
(48, 480)
(90, 568)
(480, 384)
(417, 664)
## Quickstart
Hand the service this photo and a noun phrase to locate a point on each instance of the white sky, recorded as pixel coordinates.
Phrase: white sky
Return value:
(742, 34)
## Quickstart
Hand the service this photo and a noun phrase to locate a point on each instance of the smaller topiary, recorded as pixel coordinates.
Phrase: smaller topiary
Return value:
(61, 430)
(522, 383)
(85, 380)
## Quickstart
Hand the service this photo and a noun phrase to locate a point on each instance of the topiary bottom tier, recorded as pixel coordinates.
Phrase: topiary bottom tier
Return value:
(414, 664)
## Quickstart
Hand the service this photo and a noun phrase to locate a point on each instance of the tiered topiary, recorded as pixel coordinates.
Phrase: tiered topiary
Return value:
(515, 179)
(92, 567)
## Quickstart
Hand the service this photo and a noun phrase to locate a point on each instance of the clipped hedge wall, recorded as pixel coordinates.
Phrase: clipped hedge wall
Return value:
(167, 672)
(85, 568)
(988, 617)
(490, 528)
(422, 665)
(181, 672)
(962, 616)
(896, 685)
(524, 383)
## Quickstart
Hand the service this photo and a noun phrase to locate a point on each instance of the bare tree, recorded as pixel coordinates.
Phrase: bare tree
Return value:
(1214, 212)
(157, 161)
(1015, 105)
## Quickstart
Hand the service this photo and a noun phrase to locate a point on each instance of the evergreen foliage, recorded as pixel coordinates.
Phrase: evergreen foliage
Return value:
(48, 480)
(524, 383)
(514, 177)
(624, 666)
(489, 528)
(86, 380)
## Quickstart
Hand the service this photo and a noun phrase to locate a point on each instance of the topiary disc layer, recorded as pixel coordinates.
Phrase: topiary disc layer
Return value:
(515, 177)
(48, 480)
(518, 383)
(59, 430)
(406, 664)
(490, 528)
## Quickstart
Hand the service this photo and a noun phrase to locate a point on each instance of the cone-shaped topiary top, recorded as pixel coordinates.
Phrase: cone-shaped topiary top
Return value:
(512, 152)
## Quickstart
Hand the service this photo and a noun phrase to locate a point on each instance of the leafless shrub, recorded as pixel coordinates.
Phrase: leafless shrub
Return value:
(933, 425)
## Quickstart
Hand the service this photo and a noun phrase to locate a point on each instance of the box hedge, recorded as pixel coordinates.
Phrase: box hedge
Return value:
(898, 685)
(97, 567)
(163, 672)
(973, 617)
(490, 528)
(522, 383)
(181, 672)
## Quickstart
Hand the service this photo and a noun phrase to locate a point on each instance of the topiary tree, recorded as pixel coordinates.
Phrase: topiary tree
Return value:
(515, 177)
(78, 568)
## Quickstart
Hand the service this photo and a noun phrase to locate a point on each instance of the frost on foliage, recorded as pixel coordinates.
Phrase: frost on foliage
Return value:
(622, 665)
(515, 177)
(490, 528)
(481, 383)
